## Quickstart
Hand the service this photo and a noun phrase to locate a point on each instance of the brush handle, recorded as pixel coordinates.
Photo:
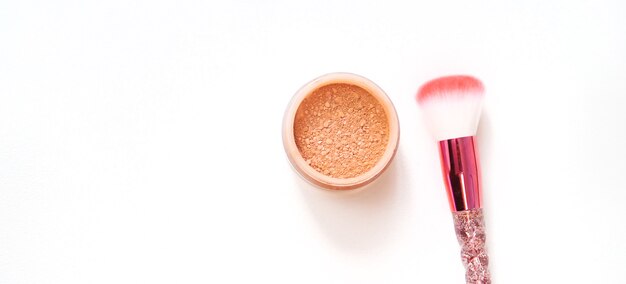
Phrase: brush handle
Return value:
(470, 231)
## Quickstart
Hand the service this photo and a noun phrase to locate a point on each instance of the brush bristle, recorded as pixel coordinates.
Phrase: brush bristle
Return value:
(451, 106)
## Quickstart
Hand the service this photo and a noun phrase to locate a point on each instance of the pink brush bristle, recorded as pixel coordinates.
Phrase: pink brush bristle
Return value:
(450, 85)
(451, 105)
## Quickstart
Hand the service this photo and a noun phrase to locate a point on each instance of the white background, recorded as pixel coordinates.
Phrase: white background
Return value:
(140, 141)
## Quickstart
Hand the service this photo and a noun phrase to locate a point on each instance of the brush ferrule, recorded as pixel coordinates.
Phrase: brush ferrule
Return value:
(461, 173)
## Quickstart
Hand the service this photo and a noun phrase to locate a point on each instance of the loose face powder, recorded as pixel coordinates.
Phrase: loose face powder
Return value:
(340, 131)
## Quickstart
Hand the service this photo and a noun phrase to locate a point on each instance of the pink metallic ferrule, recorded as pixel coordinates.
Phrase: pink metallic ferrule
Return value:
(461, 173)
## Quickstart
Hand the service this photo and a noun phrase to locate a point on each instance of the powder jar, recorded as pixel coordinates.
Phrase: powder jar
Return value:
(340, 131)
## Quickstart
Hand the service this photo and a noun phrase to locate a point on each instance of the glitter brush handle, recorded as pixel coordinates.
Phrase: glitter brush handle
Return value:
(459, 164)
(470, 231)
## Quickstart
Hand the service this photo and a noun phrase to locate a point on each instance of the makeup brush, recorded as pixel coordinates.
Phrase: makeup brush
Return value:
(451, 107)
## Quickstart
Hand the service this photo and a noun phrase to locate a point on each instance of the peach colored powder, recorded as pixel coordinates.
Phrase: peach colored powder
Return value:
(341, 130)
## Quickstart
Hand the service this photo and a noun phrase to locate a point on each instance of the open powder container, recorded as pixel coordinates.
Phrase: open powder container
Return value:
(340, 131)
